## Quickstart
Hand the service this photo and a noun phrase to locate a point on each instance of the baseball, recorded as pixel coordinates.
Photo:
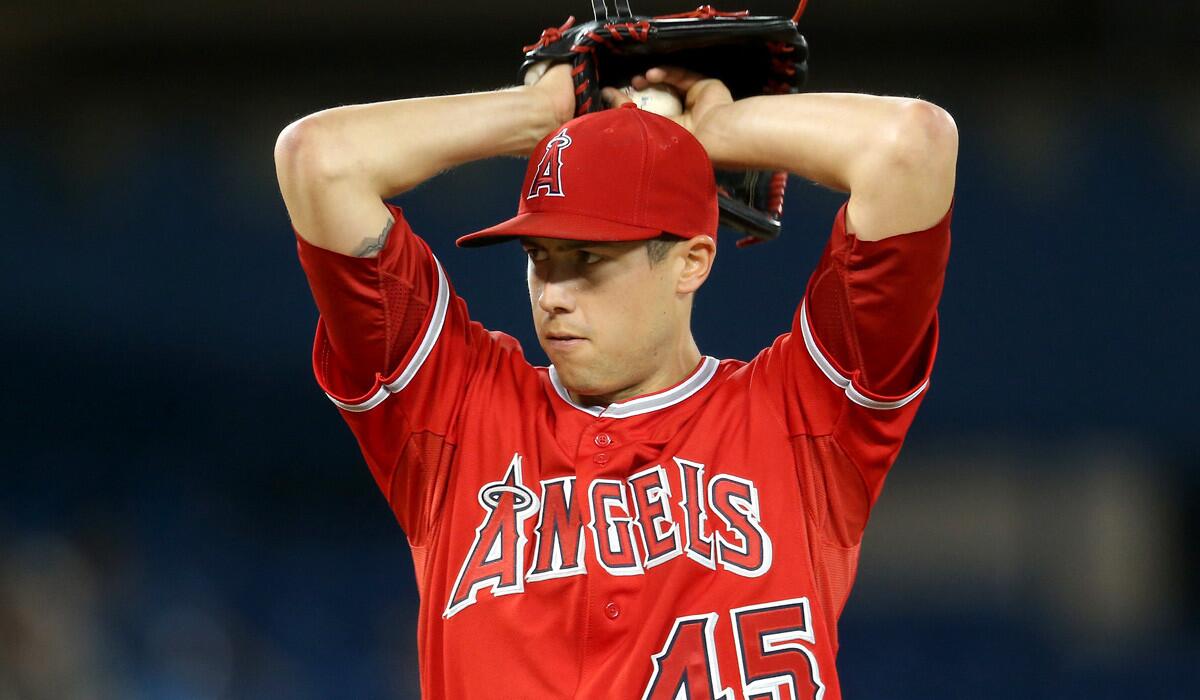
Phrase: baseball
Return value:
(659, 99)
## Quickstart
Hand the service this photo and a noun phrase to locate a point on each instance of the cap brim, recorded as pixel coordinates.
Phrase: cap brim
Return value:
(573, 227)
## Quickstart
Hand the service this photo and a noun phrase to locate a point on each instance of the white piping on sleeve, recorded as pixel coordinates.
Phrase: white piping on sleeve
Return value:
(844, 382)
(427, 342)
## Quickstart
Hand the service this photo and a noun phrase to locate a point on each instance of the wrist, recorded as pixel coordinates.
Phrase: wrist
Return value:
(547, 112)
(535, 121)
(713, 132)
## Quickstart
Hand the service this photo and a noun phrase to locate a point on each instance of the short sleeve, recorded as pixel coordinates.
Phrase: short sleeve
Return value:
(395, 350)
(849, 376)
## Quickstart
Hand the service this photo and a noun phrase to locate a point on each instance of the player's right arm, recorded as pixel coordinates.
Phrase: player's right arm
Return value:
(395, 349)
(335, 167)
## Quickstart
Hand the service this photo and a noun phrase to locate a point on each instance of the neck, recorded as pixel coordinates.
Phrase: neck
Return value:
(673, 370)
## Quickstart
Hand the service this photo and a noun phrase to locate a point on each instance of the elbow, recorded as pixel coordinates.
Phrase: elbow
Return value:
(923, 139)
(307, 150)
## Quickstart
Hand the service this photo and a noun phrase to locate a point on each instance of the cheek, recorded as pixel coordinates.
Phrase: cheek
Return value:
(534, 288)
(639, 314)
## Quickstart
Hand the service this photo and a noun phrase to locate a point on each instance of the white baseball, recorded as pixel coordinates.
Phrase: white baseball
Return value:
(660, 99)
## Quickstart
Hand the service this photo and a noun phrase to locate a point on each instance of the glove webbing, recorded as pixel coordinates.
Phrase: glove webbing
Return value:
(622, 7)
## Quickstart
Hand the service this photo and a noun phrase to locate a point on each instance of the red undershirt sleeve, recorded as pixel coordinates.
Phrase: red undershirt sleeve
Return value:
(394, 351)
(872, 305)
(848, 378)
(372, 309)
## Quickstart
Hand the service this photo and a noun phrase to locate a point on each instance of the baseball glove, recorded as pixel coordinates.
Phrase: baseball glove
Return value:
(752, 55)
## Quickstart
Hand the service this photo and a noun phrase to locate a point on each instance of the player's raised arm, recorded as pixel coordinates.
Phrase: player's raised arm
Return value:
(895, 156)
(336, 166)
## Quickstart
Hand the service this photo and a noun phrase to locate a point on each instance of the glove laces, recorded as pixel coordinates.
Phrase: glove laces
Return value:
(799, 10)
(550, 35)
(705, 12)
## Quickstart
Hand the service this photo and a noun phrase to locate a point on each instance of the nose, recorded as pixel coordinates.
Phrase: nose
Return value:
(556, 296)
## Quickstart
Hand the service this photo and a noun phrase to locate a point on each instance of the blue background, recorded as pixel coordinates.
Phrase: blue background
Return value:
(185, 516)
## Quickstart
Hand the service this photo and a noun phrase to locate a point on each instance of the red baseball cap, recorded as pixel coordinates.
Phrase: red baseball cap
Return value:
(620, 174)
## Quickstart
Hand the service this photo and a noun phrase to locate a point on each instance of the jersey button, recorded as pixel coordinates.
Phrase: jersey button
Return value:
(601, 458)
(603, 440)
(611, 611)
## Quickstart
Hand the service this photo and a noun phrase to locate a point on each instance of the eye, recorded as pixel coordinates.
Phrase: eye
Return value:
(587, 257)
(536, 254)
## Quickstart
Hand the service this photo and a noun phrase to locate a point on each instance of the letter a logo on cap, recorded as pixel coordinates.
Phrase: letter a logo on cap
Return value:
(548, 175)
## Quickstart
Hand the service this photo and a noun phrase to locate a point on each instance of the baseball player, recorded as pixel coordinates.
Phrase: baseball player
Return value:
(638, 519)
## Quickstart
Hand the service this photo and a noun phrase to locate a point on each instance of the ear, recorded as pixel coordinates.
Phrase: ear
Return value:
(697, 255)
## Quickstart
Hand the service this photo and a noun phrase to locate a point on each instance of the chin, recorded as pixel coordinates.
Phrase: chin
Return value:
(572, 377)
(581, 379)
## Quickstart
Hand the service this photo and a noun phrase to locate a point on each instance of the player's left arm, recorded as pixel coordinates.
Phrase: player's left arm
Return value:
(872, 299)
(868, 320)
(896, 156)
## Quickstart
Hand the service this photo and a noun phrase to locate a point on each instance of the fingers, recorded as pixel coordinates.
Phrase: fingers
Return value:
(681, 79)
(536, 71)
(614, 97)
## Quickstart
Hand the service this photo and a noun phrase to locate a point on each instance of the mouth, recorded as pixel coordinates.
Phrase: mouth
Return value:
(564, 341)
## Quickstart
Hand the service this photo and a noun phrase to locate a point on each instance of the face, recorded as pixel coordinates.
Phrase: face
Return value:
(606, 317)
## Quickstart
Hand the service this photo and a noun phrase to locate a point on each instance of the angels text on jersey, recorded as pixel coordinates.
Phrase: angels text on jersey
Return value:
(632, 525)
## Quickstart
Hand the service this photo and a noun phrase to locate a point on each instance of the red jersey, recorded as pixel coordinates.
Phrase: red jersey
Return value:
(696, 542)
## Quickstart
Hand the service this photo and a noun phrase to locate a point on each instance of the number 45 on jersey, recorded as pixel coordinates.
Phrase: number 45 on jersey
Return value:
(774, 659)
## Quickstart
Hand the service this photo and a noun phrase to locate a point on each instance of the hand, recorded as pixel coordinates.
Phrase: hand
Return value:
(701, 96)
(555, 88)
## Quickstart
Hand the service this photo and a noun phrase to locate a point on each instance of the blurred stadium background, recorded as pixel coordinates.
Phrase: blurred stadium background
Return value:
(184, 516)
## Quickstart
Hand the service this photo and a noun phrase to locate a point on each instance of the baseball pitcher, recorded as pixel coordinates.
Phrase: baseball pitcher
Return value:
(638, 520)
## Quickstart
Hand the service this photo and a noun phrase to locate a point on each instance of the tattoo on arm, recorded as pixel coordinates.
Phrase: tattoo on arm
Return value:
(370, 247)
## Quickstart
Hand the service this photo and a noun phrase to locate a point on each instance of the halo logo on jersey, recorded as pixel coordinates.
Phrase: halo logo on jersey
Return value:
(548, 175)
(497, 555)
(634, 525)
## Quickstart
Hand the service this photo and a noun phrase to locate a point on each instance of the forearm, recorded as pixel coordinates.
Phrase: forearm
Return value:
(895, 156)
(337, 166)
(821, 137)
(393, 146)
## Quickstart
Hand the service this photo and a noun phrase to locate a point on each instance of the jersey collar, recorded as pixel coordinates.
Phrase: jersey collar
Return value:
(650, 402)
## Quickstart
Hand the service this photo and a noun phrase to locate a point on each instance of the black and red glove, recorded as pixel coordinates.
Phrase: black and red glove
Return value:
(751, 55)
